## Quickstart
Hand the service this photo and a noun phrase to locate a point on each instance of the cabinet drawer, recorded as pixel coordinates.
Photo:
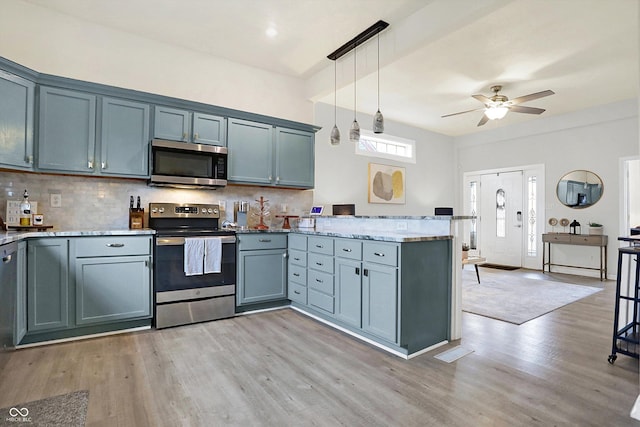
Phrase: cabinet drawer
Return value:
(298, 274)
(262, 241)
(321, 245)
(112, 246)
(298, 257)
(298, 241)
(298, 293)
(320, 262)
(556, 238)
(320, 281)
(587, 240)
(320, 300)
(380, 253)
(348, 248)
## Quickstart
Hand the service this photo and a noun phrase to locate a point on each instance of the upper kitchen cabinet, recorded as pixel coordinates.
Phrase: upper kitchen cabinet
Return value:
(67, 131)
(124, 138)
(68, 125)
(182, 125)
(264, 155)
(16, 122)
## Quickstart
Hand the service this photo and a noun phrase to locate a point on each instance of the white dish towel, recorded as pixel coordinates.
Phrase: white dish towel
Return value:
(212, 255)
(193, 256)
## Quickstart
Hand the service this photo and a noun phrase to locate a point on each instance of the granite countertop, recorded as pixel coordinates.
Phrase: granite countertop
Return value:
(15, 236)
(383, 236)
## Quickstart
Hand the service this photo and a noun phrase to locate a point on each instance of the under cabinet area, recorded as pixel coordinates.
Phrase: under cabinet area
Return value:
(394, 294)
(262, 269)
(189, 126)
(82, 285)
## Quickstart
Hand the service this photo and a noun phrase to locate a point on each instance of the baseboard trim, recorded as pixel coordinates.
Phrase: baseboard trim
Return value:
(83, 337)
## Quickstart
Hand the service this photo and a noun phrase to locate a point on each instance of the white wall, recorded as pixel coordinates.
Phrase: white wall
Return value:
(341, 175)
(58, 44)
(594, 139)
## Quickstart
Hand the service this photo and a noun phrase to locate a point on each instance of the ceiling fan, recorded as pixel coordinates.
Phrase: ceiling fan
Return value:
(498, 105)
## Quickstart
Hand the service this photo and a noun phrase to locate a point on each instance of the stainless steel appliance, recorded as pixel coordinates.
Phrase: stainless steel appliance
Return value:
(182, 164)
(180, 298)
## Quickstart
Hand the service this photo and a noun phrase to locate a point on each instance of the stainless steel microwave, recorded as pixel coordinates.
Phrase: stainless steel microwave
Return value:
(187, 165)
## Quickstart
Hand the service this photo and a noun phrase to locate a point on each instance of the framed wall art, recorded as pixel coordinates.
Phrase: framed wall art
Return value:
(386, 184)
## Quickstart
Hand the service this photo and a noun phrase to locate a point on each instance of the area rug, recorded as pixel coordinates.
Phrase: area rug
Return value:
(519, 300)
(65, 410)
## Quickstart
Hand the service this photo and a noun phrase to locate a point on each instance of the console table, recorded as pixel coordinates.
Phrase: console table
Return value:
(578, 240)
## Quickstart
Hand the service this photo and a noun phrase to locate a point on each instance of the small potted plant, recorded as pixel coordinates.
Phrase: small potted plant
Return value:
(595, 228)
(465, 251)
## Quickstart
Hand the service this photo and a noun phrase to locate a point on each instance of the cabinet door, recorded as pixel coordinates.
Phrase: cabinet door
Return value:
(380, 301)
(125, 138)
(208, 129)
(21, 295)
(102, 295)
(349, 292)
(171, 124)
(250, 152)
(16, 122)
(294, 158)
(47, 284)
(261, 276)
(67, 131)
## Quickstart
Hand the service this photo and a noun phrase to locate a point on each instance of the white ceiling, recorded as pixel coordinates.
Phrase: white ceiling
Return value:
(433, 57)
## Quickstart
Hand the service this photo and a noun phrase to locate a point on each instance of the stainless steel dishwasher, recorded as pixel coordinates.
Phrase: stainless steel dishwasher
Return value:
(8, 285)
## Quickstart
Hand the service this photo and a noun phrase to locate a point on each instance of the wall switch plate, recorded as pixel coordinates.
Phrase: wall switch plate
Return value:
(402, 225)
(56, 200)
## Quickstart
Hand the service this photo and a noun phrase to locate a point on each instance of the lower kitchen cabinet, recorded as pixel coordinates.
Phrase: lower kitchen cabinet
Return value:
(380, 300)
(81, 282)
(21, 295)
(262, 268)
(349, 291)
(47, 284)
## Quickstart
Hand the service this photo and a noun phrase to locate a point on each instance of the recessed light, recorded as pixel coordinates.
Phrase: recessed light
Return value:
(271, 32)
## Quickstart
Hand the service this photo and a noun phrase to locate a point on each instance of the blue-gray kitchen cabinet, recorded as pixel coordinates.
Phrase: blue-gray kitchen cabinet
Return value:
(273, 156)
(297, 268)
(380, 300)
(250, 152)
(124, 142)
(21, 295)
(294, 158)
(47, 284)
(187, 126)
(262, 268)
(16, 122)
(67, 131)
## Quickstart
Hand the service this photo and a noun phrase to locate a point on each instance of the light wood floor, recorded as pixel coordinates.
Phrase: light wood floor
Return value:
(281, 368)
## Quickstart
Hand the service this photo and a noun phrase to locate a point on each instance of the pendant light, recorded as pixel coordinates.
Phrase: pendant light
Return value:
(335, 132)
(378, 120)
(354, 132)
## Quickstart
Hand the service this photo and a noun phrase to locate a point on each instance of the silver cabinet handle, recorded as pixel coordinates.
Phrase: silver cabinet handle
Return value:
(296, 274)
(346, 249)
(264, 240)
(296, 292)
(104, 165)
(318, 280)
(184, 136)
(6, 259)
(284, 255)
(195, 136)
(90, 164)
(270, 177)
(297, 259)
(318, 263)
(277, 179)
(28, 159)
(319, 246)
(114, 245)
(378, 254)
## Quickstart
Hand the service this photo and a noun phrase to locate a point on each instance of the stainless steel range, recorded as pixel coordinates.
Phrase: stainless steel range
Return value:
(188, 237)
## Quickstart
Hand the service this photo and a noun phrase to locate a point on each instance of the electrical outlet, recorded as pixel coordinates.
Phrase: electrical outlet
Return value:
(402, 225)
(56, 200)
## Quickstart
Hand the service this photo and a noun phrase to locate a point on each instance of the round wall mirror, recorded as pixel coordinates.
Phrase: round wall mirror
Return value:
(579, 189)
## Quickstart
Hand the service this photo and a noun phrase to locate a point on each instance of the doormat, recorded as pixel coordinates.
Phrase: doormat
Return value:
(65, 410)
(499, 267)
(453, 354)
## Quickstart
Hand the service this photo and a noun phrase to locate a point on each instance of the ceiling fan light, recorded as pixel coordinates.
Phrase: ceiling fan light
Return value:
(335, 135)
(496, 113)
(354, 132)
(378, 123)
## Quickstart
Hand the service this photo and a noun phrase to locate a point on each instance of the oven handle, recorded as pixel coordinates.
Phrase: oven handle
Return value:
(179, 241)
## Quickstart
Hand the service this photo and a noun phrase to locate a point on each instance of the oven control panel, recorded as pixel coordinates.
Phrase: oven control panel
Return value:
(183, 210)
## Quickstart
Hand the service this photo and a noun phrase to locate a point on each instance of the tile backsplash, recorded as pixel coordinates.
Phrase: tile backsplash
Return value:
(90, 203)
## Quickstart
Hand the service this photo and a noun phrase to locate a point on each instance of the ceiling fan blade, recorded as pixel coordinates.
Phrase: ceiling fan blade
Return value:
(531, 97)
(482, 98)
(462, 112)
(528, 110)
(483, 120)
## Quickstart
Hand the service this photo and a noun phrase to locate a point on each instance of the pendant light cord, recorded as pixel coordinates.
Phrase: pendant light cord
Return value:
(335, 96)
(378, 71)
(355, 57)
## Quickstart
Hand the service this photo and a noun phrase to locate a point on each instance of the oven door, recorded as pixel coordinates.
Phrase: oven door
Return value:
(169, 266)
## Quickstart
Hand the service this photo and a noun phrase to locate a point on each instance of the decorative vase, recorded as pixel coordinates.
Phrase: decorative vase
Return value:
(595, 230)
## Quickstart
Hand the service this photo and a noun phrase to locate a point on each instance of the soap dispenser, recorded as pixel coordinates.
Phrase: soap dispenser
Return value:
(25, 210)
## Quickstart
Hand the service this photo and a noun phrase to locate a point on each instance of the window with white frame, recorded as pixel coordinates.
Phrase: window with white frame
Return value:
(386, 146)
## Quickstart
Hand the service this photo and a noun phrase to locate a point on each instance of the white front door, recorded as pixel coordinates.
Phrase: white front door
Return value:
(501, 218)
